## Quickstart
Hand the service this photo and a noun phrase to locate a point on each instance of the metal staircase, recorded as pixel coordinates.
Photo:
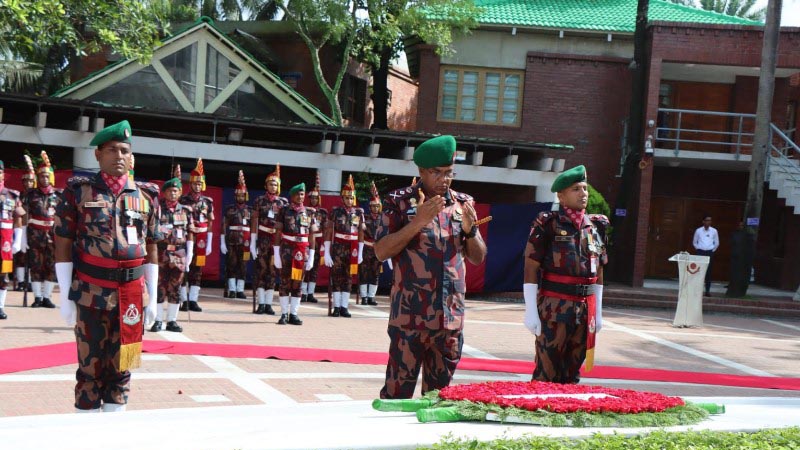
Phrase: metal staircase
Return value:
(783, 168)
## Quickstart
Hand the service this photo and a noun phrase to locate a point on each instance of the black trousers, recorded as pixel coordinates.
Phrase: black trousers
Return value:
(710, 254)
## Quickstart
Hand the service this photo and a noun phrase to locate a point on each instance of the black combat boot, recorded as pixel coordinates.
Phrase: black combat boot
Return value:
(240, 295)
(193, 306)
(303, 298)
(173, 326)
(344, 312)
(268, 310)
(294, 320)
(231, 294)
(282, 320)
(156, 326)
(335, 312)
(3, 315)
(46, 303)
(310, 299)
(362, 301)
(371, 301)
(37, 302)
(184, 306)
(260, 309)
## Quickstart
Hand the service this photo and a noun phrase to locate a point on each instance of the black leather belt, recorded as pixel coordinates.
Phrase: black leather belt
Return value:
(577, 290)
(119, 275)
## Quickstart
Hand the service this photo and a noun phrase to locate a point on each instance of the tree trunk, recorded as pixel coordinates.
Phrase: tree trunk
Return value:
(380, 90)
(51, 67)
(761, 149)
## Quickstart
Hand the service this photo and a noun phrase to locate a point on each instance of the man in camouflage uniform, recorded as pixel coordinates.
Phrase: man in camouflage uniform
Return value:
(318, 223)
(346, 230)
(295, 252)
(427, 229)
(11, 231)
(175, 250)
(203, 218)
(370, 268)
(20, 281)
(112, 223)
(262, 234)
(236, 239)
(41, 203)
(563, 307)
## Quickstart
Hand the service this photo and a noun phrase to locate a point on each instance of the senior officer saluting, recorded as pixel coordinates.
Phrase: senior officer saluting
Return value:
(427, 229)
(568, 245)
(112, 222)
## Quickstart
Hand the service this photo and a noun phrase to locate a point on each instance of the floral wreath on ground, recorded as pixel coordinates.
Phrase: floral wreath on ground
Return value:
(552, 404)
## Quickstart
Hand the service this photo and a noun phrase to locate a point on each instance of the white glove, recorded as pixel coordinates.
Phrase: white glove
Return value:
(67, 308)
(598, 307)
(276, 257)
(208, 245)
(16, 246)
(389, 262)
(151, 280)
(189, 254)
(25, 246)
(532, 321)
(253, 248)
(360, 252)
(310, 261)
(222, 247)
(328, 259)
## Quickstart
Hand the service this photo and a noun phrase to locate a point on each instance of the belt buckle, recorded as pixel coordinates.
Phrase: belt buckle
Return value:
(123, 275)
(583, 290)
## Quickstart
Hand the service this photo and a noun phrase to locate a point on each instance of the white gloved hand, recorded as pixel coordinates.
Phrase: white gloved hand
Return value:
(189, 254)
(67, 308)
(25, 245)
(310, 260)
(598, 307)
(222, 247)
(532, 321)
(253, 248)
(16, 245)
(328, 259)
(276, 257)
(208, 245)
(151, 281)
(360, 252)
(389, 262)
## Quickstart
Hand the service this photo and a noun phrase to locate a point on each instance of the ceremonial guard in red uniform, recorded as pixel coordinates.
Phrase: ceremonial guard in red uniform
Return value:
(111, 223)
(370, 268)
(203, 217)
(318, 224)
(21, 279)
(11, 231)
(262, 234)
(346, 231)
(41, 205)
(563, 306)
(235, 244)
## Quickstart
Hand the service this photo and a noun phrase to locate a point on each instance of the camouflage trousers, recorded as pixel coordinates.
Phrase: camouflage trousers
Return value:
(235, 263)
(561, 347)
(171, 269)
(19, 260)
(287, 285)
(195, 274)
(370, 268)
(4, 281)
(41, 255)
(311, 275)
(98, 377)
(341, 280)
(436, 351)
(265, 274)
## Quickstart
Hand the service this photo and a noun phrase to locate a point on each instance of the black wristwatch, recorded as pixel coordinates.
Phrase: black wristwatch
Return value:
(471, 234)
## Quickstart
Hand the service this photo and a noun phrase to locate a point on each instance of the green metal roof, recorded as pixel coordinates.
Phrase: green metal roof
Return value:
(594, 15)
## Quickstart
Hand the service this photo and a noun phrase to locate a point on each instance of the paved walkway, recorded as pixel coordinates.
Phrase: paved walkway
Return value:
(264, 403)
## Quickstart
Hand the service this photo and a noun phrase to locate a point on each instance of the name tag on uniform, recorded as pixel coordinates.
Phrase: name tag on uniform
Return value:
(244, 221)
(271, 214)
(100, 204)
(179, 233)
(202, 218)
(593, 260)
(563, 238)
(132, 236)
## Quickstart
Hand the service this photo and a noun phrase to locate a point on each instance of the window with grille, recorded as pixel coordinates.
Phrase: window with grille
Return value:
(484, 96)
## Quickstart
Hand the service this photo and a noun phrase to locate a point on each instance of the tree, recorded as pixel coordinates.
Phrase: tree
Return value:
(740, 8)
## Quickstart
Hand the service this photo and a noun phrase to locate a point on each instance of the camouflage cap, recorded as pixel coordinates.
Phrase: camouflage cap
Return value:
(568, 178)
(120, 132)
(297, 188)
(436, 152)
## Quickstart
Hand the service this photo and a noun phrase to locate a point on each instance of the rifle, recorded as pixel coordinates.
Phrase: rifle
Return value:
(25, 281)
(330, 291)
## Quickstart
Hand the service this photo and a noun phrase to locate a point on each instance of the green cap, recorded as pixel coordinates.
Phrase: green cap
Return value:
(436, 152)
(120, 132)
(297, 188)
(172, 182)
(568, 178)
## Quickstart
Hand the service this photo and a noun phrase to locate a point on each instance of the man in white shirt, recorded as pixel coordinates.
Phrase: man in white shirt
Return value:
(706, 242)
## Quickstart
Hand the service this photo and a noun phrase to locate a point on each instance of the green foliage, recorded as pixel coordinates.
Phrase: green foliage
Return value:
(772, 439)
(738, 8)
(597, 203)
(363, 181)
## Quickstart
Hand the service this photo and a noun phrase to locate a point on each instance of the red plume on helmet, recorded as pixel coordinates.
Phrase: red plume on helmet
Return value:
(198, 174)
(241, 187)
(29, 174)
(349, 189)
(374, 197)
(45, 166)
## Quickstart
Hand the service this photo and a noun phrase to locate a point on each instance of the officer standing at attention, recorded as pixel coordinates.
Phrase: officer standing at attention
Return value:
(11, 232)
(203, 217)
(563, 308)
(262, 230)
(427, 230)
(370, 268)
(346, 229)
(318, 224)
(28, 183)
(235, 242)
(112, 223)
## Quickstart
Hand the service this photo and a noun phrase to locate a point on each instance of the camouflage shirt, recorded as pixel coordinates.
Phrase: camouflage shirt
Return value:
(237, 217)
(202, 208)
(428, 284)
(267, 210)
(371, 225)
(294, 221)
(319, 220)
(175, 225)
(346, 221)
(106, 226)
(10, 205)
(41, 210)
(563, 249)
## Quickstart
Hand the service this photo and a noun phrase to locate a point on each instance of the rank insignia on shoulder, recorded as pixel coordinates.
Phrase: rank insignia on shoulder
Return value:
(563, 232)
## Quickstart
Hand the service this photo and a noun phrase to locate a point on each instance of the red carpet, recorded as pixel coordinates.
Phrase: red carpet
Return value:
(38, 357)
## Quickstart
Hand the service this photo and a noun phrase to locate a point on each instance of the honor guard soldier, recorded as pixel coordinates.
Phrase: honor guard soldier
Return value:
(11, 233)
(175, 250)
(41, 205)
(22, 275)
(427, 229)
(203, 217)
(111, 222)
(370, 268)
(294, 252)
(563, 307)
(262, 235)
(346, 230)
(235, 244)
(318, 224)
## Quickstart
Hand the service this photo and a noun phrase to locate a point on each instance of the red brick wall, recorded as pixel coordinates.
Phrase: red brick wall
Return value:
(403, 110)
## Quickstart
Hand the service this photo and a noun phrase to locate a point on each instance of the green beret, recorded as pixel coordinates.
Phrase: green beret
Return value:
(568, 178)
(172, 182)
(297, 188)
(120, 132)
(436, 152)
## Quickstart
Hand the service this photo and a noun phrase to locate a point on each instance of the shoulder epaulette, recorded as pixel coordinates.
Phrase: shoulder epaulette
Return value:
(544, 217)
(78, 181)
(462, 197)
(151, 189)
(13, 192)
(359, 210)
(209, 199)
(600, 220)
(399, 194)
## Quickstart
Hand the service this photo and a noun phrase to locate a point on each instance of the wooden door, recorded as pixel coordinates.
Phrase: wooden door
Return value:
(703, 97)
(665, 236)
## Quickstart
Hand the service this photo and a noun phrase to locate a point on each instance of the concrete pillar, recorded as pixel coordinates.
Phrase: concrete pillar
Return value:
(83, 161)
(330, 181)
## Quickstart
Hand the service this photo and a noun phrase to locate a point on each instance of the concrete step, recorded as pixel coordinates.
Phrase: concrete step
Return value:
(752, 307)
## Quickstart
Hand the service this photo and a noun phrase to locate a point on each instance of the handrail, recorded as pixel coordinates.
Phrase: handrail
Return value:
(732, 135)
(783, 154)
